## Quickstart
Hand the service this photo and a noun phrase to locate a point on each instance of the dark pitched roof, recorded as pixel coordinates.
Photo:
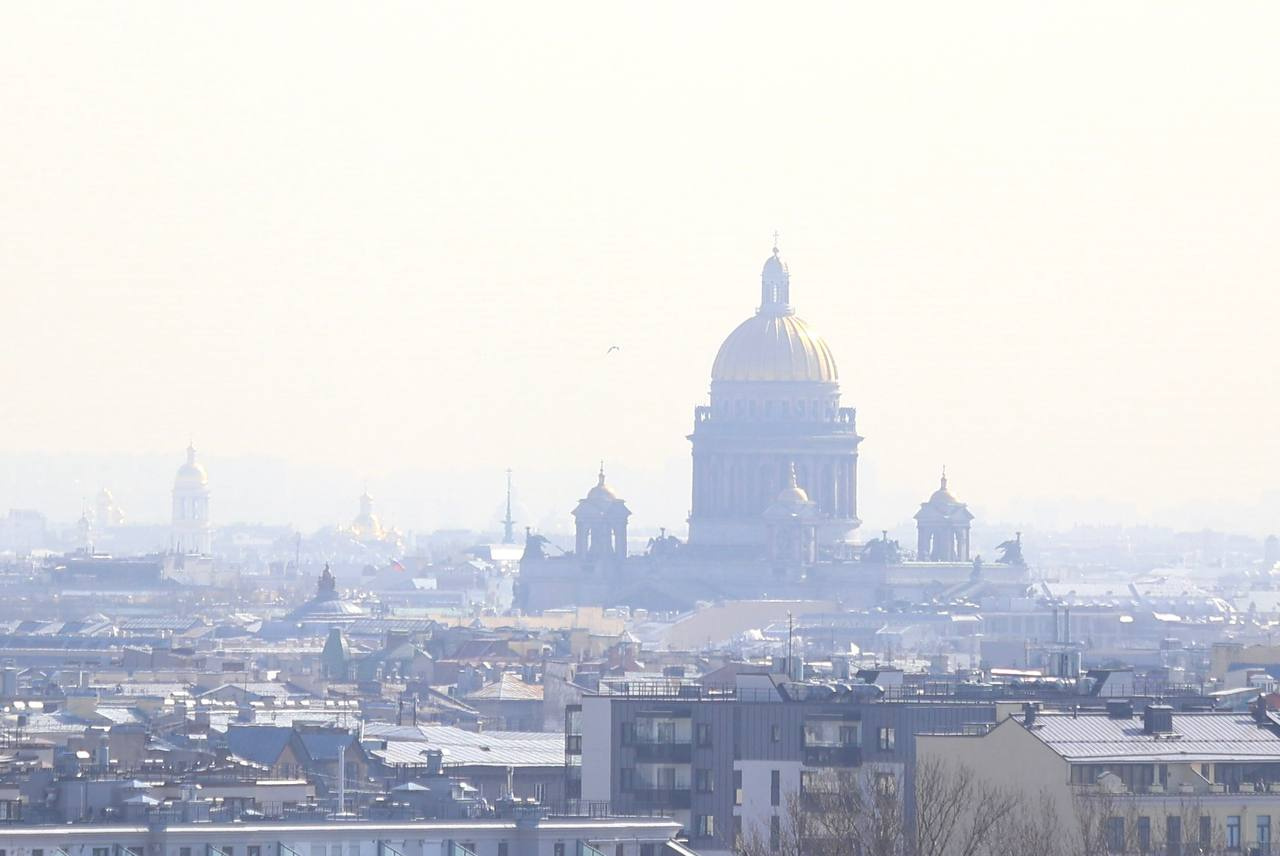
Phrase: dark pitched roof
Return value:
(324, 745)
(261, 744)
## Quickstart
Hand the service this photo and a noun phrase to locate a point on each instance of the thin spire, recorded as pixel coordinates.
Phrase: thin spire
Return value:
(508, 525)
(944, 476)
(775, 242)
(601, 482)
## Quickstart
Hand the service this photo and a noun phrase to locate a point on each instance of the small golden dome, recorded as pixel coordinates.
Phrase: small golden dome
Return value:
(601, 491)
(770, 347)
(943, 496)
(191, 474)
(792, 494)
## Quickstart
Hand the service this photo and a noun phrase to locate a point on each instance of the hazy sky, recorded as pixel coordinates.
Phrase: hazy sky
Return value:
(393, 242)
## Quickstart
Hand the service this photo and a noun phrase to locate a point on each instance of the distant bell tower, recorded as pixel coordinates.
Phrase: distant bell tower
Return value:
(191, 530)
(601, 524)
(942, 527)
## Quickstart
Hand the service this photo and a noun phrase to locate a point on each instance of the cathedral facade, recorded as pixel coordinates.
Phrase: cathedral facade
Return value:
(774, 408)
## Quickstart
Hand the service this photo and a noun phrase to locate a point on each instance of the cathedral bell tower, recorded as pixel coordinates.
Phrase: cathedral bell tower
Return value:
(942, 527)
(600, 521)
(191, 531)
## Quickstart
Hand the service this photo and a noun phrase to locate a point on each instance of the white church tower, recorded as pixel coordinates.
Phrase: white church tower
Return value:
(192, 532)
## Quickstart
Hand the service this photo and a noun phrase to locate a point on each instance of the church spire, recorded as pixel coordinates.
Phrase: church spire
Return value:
(509, 525)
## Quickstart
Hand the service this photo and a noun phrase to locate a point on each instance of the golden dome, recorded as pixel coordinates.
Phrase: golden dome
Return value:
(772, 347)
(601, 491)
(792, 494)
(943, 496)
(191, 474)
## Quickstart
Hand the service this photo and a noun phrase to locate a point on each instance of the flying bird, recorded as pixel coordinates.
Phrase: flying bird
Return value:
(613, 348)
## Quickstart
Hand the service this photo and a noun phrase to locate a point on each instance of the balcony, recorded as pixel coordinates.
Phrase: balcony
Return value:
(673, 798)
(664, 751)
(832, 756)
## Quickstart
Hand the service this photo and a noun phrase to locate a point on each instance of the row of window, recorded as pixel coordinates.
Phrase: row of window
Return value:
(1118, 840)
(662, 732)
(666, 733)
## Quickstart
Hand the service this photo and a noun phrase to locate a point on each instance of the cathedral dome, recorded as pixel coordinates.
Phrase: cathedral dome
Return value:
(774, 348)
(191, 474)
(774, 345)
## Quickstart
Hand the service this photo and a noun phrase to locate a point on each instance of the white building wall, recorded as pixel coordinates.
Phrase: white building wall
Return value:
(757, 794)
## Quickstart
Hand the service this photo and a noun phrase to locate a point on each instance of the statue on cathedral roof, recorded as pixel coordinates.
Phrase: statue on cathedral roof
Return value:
(882, 551)
(534, 545)
(1011, 552)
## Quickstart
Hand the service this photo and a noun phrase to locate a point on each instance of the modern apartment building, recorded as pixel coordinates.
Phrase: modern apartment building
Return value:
(724, 761)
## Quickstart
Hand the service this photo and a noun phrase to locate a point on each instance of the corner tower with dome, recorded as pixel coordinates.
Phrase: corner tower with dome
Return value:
(774, 405)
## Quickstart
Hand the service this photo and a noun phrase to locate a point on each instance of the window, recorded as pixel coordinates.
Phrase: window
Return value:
(618, 850)
(559, 849)
(704, 734)
(1206, 831)
(775, 787)
(1115, 834)
(706, 825)
(848, 735)
(106, 851)
(646, 850)
(775, 833)
(1233, 832)
(1144, 834)
(502, 848)
(628, 733)
(737, 832)
(703, 783)
(887, 739)
(775, 734)
(256, 850)
(886, 784)
(1264, 832)
(737, 787)
(1173, 835)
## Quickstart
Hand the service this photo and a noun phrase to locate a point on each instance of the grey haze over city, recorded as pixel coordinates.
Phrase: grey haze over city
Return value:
(664, 429)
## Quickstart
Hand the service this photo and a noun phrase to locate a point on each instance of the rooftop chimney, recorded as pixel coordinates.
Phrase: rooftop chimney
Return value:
(1157, 719)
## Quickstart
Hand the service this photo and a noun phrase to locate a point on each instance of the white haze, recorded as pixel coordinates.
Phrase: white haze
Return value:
(393, 242)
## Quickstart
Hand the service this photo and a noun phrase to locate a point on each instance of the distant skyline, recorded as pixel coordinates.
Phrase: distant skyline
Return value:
(395, 244)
